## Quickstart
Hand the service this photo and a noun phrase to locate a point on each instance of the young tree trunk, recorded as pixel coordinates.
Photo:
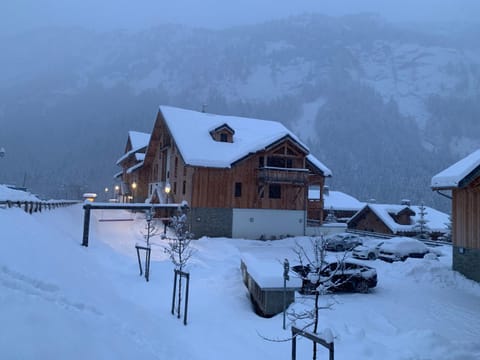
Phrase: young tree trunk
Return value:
(315, 325)
(180, 268)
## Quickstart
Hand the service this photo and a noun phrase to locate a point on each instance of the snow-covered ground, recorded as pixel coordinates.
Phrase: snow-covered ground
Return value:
(59, 300)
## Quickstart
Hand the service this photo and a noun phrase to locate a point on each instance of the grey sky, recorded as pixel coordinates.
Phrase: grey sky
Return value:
(130, 14)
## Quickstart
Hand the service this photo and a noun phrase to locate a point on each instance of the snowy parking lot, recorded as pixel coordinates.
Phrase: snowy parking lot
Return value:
(60, 300)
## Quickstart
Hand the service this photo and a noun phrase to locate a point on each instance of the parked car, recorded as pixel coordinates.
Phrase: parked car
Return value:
(401, 248)
(342, 242)
(367, 251)
(338, 276)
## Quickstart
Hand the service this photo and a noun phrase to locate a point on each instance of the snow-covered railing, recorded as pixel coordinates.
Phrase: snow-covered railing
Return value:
(36, 206)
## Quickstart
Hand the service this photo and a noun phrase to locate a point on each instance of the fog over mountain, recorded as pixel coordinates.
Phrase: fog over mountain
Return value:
(385, 105)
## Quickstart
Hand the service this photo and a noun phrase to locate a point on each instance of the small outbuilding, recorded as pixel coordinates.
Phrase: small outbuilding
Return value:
(462, 179)
(400, 220)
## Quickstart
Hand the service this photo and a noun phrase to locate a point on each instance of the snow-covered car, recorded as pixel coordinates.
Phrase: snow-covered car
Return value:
(338, 276)
(342, 242)
(367, 251)
(401, 248)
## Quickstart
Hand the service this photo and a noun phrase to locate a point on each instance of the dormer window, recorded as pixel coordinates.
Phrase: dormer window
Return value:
(223, 133)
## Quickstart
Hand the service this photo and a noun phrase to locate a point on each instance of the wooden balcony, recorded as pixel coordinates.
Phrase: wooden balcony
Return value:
(274, 175)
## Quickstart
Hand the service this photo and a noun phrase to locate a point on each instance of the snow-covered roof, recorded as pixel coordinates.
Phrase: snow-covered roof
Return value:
(191, 131)
(453, 175)
(436, 220)
(118, 174)
(8, 194)
(134, 167)
(337, 200)
(139, 141)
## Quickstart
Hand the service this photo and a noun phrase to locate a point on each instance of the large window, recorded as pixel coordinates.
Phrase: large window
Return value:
(274, 191)
(238, 189)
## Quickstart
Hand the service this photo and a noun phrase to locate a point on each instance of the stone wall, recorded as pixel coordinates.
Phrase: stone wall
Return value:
(213, 222)
(467, 262)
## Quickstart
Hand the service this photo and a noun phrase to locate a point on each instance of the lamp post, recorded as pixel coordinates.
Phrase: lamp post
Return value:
(167, 189)
(134, 187)
(2, 152)
(117, 191)
(106, 194)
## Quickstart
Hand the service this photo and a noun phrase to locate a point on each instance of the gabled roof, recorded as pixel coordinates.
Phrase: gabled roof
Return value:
(459, 174)
(338, 200)
(138, 142)
(191, 132)
(436, 220)
(223, 126)
(138, 139)
(335, 200)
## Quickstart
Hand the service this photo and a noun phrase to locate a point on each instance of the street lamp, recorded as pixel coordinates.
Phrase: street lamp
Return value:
(117, 191)
(2, 152)
(134, 187)
(106, 194)
(167, 189)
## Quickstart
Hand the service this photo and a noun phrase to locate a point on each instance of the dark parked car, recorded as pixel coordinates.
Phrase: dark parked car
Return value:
(342, 242)
(337, 276)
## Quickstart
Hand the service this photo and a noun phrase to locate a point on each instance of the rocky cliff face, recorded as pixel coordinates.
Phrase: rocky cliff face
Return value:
(384, 106)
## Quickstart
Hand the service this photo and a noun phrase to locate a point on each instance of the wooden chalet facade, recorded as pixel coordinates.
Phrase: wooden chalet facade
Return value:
(241, 177)
(463, 180)
(131, 162)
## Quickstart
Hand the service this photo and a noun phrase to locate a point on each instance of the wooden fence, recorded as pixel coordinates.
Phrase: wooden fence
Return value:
(37, 206)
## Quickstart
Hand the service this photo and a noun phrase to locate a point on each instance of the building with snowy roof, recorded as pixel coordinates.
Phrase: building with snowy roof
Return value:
(400, 220)
(130, 162)
(335, 205)
(463, 180)
(241, 177)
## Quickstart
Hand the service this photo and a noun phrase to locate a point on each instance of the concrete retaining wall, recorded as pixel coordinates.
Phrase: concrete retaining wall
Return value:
(467, 262)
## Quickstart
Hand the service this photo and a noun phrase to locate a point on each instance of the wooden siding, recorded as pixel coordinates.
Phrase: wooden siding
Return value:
(466, 217)
(368, 221)
(283, 164)
(216, 188)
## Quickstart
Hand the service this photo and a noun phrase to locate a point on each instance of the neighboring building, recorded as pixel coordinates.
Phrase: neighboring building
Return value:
(241, 177)
(131, 162)
(399, 220)
(336, 204)
(463, 180)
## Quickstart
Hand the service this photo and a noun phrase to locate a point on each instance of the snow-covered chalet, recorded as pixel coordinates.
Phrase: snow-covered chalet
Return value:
(462, 179)
(241, 177)
(400, 220)
(130, 162)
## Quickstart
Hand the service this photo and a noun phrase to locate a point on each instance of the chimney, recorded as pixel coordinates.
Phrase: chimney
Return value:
(405, 202)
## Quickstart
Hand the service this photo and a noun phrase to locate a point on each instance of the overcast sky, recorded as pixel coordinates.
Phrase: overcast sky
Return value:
(135, 14)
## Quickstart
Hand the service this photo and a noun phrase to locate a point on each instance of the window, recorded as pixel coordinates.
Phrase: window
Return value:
(276, 161)
(175, 187)
(176, 167)
(184, 187)
(275, 191)
(238, 189)
(224, 137)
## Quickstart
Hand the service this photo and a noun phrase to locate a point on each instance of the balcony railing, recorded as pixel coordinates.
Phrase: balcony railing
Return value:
(277, 175)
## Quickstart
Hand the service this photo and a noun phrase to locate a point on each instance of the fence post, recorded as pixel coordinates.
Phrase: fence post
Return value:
(86, 225)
